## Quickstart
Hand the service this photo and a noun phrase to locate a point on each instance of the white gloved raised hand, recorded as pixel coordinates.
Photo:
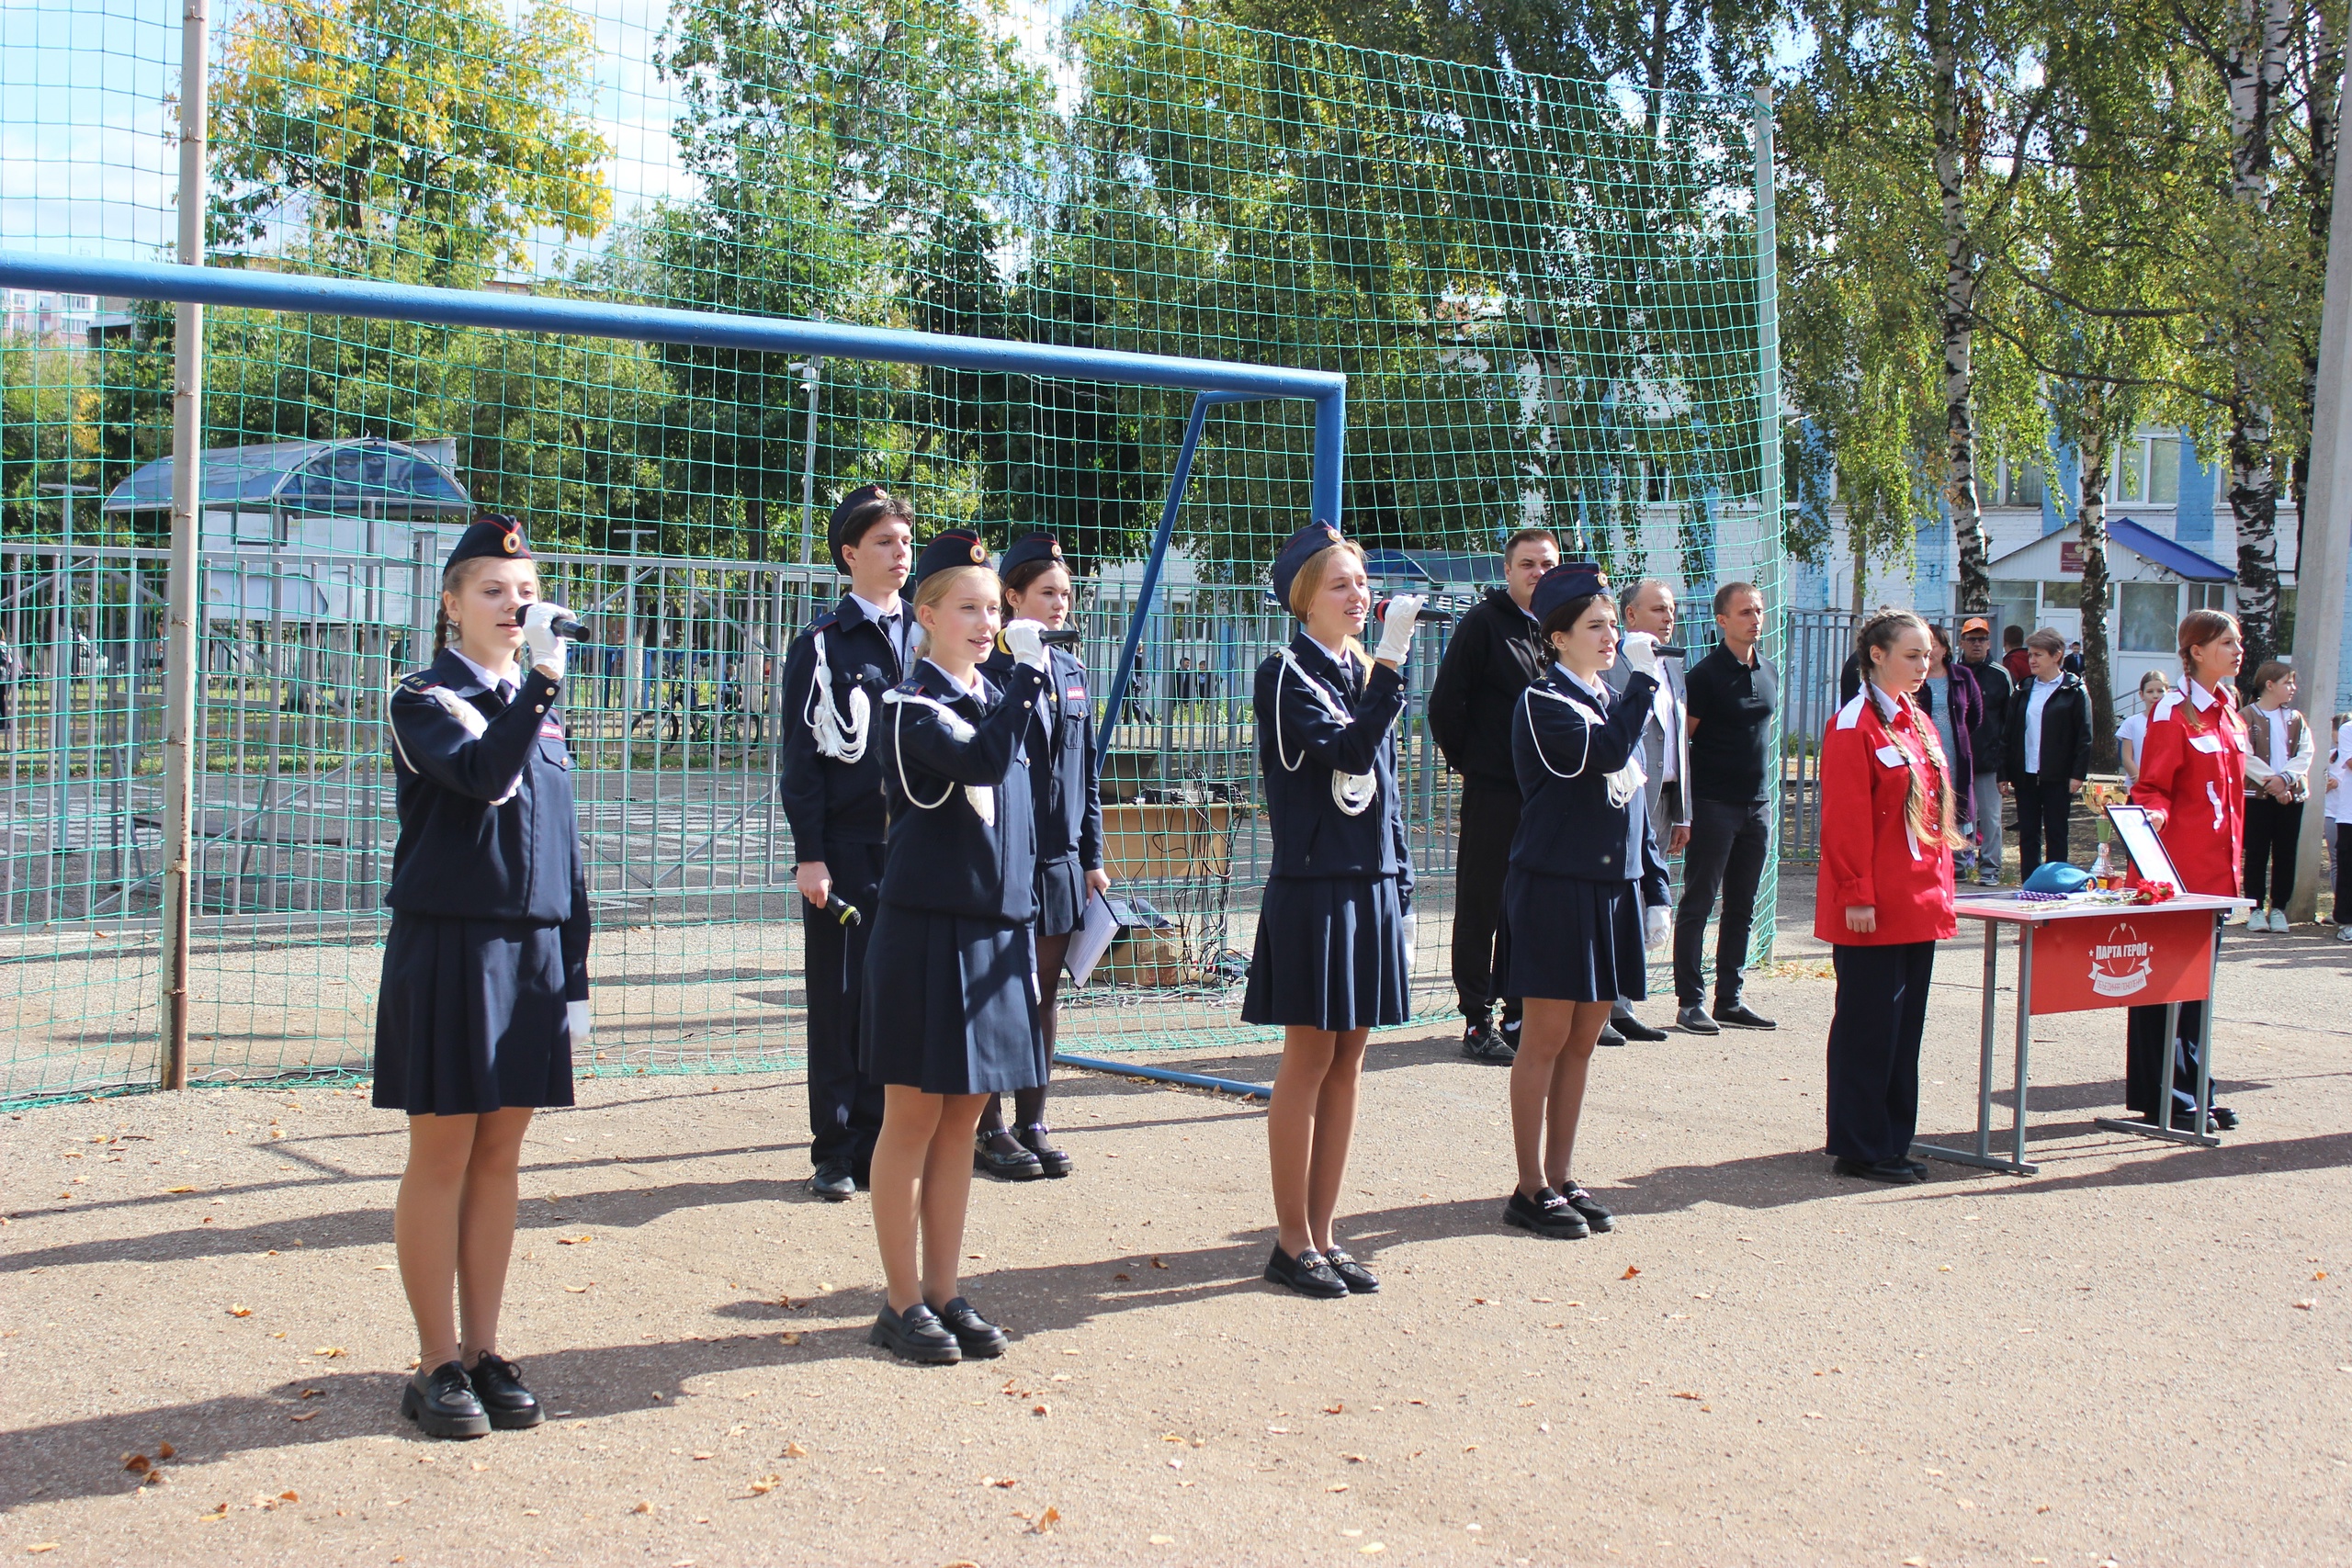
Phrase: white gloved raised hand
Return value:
(1657, 924)
(1025, 641)
(1396, 626)
(1639, 650)
(542, 650)
(581, 1020)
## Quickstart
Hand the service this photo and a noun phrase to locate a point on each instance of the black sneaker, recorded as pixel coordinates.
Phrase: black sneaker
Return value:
(442, 1403)
(916, 1335)
(498, 1384)
(1307, 1274)
(1739, 1015)
(1547, 1215)
(974, 1335)
(1359, 1279)
(1595, 1217)
(1481, 1043)
(836, 1181)
(1034, 1136)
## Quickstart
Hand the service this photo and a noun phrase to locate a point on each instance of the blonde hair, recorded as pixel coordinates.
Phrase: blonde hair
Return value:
(453, 584)
(938, 586)
(1309, 582)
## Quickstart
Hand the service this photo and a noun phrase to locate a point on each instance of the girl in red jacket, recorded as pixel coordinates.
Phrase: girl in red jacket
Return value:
(2192, 780)
(1884, 898)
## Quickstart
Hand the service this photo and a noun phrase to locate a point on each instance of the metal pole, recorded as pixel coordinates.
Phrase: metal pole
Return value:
(179, 616)
(2025, 1036)
(809, 374)
(2319, 570)
(1988, 1026)
(1768, 467)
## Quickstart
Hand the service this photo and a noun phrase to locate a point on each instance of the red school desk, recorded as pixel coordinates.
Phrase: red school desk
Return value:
(2076, 956)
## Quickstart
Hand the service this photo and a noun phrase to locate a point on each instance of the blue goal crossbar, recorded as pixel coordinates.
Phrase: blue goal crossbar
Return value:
(1215, 381)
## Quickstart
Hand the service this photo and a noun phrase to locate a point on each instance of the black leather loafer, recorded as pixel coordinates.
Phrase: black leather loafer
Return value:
(1917, 1167)
(974, 1335)
(1632, 1028)
(443, 1404)
(1739, 1015)
(1610, 1034)
(1359, 1279)
(498, 1384)
(1035, 1137)
(835, 1181)
(1019, 1164)
(917, 1335)
(1695, 1020)
(1546, 1214)
(1595, 1217)
(2225, 1119)
(1895, 1172)
(1307, 1274)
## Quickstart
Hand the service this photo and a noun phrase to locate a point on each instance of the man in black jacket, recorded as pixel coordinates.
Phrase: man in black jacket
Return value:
(1990, 743)
(1493, 657)
(2046, 751)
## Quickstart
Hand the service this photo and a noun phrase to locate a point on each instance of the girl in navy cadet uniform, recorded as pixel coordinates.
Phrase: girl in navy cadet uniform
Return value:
(1884, 896)
(485, 991)
(1062, 778)
(1586, 892)
(949, 1014)
(1332, 956)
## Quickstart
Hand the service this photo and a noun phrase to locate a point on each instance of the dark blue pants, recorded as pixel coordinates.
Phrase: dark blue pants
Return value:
(844, 1111)
(1481, 861)
(1874, 1048)
(2042, 806)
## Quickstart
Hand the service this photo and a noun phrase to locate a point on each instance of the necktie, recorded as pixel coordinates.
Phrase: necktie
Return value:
(506, 694)
(891, 630)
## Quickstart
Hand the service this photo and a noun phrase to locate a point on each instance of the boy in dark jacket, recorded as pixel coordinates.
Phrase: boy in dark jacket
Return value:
(1990, 742)
(2046, 750)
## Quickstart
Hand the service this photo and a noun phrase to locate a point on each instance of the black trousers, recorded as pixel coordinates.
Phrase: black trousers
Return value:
(1481, 858)
(2343, 874)
(2042, 805)
(1874, 1048)
(2143, 1061)
(2271, 829)
(1728, 844)
(844, 1111)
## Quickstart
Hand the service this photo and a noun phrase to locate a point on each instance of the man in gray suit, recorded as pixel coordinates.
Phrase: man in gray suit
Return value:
(1648, 606)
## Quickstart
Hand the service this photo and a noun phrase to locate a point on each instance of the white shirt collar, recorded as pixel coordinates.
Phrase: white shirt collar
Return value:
(2051, 683)
(1888, 706)
(970, 690)
(2196, 694)
(489, 681)
(874, 612)
(1335, 655)
(1593, 688)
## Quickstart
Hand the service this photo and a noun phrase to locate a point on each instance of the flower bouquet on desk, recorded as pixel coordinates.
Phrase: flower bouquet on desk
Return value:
(2148, 873)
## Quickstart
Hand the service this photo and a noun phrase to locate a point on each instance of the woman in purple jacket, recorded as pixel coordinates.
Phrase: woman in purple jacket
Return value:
(1952, 698)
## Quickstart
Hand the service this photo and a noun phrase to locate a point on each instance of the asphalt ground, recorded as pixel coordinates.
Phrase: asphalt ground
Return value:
(2139, 1356)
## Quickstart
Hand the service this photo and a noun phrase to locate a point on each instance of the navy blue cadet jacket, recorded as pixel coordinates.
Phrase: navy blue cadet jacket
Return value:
(489, 830)
(823, 799)
(1063, 769)
(1564, 744)
(1301, 745)
(939, 747)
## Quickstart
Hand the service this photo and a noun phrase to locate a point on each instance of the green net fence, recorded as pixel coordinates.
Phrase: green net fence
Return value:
(1547, 295)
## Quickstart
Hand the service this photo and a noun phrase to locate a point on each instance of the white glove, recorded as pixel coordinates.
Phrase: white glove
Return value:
(1639, 650)
(1657, 924)
(542, 650)
(1413, 934)
(1396, 626)
(1024, 638)
(581, 1020)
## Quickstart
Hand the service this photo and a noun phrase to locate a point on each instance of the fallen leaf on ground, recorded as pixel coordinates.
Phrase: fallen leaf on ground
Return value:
(329, 1351)
(792, 1338)
(794, 1450)
(1118, 1276)
(1045, 1521)
(763, 1486)
(1037, 1410)
(1333, 1409)
(2307, 1304)
(1007, 1483)
(137, 1464)
(1336, 1487)
(1679, 1394)
(184, 1189)
(220, 1511)
(1162, 1263)
(43, 1546)
(576, 1290)
(642, 1508)
(571, 1240)
(238, 1311)
(303, 1415)
(164, 1450)
(1629, 1273)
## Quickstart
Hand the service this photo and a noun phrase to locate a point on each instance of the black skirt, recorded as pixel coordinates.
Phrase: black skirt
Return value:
(471, 1017)
(1061, 896)
(950, 1005)
(1565, 938)
(1331, 954)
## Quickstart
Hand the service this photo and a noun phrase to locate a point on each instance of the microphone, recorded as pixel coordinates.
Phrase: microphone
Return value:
(842, 911)
(1672, 650)
(571, 628)
(1430, 613)
(1059, 636)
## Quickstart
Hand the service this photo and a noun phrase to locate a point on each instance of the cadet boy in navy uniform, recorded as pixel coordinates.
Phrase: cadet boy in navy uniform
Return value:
(485, 987)
(834, 675)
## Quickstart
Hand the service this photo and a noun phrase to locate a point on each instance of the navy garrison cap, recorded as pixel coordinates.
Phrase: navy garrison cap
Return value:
(957, 546)
(494, 535)
(1022, 551)
(859, 510)
(1562, 583)
(1296, 551)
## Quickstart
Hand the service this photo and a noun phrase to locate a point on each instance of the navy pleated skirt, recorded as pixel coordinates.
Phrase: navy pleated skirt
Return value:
(471, 1017)
(1331, 954)
(949, 1004)
(1565, 938)
(1061, 896)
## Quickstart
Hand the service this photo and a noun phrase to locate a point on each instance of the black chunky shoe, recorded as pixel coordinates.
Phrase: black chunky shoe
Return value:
(1034, 1137)
(1014, 1165)
(498, 1384)
(1595, 1217)
(1632, 1028)
(1307, 1274)
(1482, 1042)
(1895, 1172)
(443, 1405)
(835, 1181)
(917, 1335)
(1546, 1214)
(974, 1335)
(1359, 1279)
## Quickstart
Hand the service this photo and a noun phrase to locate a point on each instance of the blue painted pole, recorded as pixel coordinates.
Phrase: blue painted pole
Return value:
(1330, 453)
(1166, 1075)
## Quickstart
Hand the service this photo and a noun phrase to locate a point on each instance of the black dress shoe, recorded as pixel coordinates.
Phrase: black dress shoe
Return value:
(443, 1404)
(1307, 1274)
(1594, 1216)
(1632, 1028)
(1018, 1165)
(917, 1335)
(2225, 1119)
(1896, 1172)
(1034, 1137)
(1609, 1035)
(974, 1335)
(1917, 1167)
(1695, 1019)
(498, 1384)
(1547, 1215)
(1359, 1279)
(834, 1181)
(1739, 1015)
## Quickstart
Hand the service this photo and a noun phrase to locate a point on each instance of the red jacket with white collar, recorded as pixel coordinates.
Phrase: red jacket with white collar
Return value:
(1870, 853)
(2192, 780)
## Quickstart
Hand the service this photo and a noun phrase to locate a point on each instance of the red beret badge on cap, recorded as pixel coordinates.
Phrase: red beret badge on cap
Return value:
(979, 554)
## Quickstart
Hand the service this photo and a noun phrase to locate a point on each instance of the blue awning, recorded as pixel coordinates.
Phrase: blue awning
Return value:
(2174, 558)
